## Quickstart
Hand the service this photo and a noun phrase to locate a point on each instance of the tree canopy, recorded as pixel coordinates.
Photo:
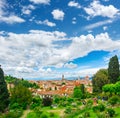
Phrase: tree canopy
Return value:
(16, 81)
(77, 93)
(21, 95)
(113, 69)
(99, 80)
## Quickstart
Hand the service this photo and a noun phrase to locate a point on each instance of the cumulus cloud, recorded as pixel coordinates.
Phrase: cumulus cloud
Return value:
(11, 19)
(46, 2)
(74, 4)
(46, 22)
(58, 14)
(27, 9)
(27, 55)
(70, 65)
(97, 9)
(6, 17)
(85, 44)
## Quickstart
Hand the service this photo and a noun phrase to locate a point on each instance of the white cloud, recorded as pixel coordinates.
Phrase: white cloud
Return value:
(106, 0)
(74, 4)
(6, 17)
(96, 9)
(58, 14)
(105, 28)
(40, 1)
(98, 24)
(27, 9)
(70, 65)
(34, 51)
(85, 44)
(74, 20)
(2, 7)
(89, 71)
(111, 54)
(46, 22)
(11, 19)
(2, 32)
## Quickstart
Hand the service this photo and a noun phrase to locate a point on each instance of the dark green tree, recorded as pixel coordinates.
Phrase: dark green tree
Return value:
(82, 87)
(47, 101)
(113, 69)
(99, 80)
(4, 95)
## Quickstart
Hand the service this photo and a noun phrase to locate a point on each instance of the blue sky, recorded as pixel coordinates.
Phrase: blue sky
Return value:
(48, 38)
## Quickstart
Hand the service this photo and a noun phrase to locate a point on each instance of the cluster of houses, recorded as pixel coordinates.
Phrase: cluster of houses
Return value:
(63, 87)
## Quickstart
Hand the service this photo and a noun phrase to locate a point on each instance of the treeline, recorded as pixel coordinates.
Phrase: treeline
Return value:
(16, 81)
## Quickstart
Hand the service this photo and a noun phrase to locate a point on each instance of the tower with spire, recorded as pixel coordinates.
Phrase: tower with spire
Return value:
(63, 78)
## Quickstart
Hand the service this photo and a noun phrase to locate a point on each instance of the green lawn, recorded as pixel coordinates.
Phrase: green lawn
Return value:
(117, 111)
(77, 112)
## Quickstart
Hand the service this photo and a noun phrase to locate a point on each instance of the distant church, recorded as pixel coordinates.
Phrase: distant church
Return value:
(63, 79)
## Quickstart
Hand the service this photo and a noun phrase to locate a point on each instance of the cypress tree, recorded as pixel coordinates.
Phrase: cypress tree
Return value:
(113, 69)
(4, 95)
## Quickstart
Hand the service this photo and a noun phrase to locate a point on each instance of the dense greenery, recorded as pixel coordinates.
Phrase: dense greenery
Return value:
(16, 113)
(36, 102)
(15, 81)
(20, 96)
(99, 80)
(113, 69)
(4, 95)
(112, 88)
(77, 93)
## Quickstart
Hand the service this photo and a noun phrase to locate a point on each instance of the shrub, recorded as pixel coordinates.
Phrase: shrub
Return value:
(38, 111)
(101, 115)
(63, 104)
(43, 115)
(90, 103)
(14, 106)
(34, 105)
(31, 115)
(70, 100)
(52, 114)
(68, 110)
(56, 99)
(14, 114)
(100, 108)
(86, 114)
(113, 100)
(95, 108)
(47, 101)
(111, 112)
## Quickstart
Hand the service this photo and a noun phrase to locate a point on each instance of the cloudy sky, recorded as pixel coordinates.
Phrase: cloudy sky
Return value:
(48, 38)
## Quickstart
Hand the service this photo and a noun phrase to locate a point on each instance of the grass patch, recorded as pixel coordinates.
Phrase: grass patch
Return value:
(117, 112)
(42, 115)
